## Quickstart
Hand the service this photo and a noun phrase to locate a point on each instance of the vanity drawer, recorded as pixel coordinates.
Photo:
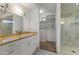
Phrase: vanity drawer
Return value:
(9, 52)
(8, 46)
(12, 52)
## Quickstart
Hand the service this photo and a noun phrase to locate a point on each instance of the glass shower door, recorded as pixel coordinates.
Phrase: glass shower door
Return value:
(70, 34)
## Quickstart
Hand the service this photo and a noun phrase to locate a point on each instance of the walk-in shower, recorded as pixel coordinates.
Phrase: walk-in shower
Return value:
(69, 28)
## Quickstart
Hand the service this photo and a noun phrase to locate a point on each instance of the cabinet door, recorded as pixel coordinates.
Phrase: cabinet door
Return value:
(23, 47)
(27, 46)
(9, 48)
(32, 44)
(13, 51)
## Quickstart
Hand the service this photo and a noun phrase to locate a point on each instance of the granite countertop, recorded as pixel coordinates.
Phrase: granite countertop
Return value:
(14, 37)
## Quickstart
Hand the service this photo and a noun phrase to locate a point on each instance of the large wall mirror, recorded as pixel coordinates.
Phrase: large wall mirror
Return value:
(10, 23)
(6, 25)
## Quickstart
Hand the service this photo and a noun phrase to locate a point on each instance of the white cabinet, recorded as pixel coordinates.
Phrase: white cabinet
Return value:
(8, 49)
(28, 45)
(25, 46)
(32, 44)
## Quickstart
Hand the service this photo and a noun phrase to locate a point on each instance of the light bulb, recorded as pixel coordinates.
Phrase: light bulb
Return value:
(41, 11)
(62, 22)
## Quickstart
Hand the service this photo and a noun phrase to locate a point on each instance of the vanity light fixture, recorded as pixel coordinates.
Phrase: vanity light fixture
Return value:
(6, 21)
(3, 8)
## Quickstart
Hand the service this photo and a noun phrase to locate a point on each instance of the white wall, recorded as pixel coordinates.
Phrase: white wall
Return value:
(34, 20)
(58, 26)
(18, 23)
(31, 20)
(26, 21)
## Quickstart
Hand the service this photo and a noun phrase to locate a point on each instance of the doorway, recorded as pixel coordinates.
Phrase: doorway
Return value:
(47, 26)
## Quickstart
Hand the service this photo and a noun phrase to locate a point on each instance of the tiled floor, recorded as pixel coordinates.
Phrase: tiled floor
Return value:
(44, 52)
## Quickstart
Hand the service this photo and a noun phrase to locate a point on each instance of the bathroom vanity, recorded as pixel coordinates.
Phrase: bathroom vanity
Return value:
(24, 44)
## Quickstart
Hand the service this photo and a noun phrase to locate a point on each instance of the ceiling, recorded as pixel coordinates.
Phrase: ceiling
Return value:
(24, 6)
(68, 9)
(47, 7)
